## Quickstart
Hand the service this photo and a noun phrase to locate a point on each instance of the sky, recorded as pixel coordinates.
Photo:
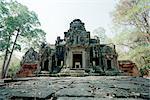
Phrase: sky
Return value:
(56, 15)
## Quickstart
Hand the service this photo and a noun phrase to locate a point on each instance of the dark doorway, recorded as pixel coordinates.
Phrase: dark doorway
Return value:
(96, 61)
(46, 63)
(59, 62)
(108, 64)
(77, 58)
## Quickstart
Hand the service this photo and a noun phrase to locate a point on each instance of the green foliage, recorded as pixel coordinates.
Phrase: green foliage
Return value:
(100, 32)
(13, 68)
(145, 70)
(15, 16)
(129, 12)
(17, 23)
(140, 55)
(34, 42)
(133, 39)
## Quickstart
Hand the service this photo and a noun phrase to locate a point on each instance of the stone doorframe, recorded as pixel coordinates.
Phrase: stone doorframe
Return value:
(69, 57)
(83, 59)
(78, 62)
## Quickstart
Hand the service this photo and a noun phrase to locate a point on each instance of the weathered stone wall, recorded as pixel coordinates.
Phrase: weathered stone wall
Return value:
(77, 51)
(128, 67)
(29, 64)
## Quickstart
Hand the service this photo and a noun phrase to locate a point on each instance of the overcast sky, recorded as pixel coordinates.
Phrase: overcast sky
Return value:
(56, 15)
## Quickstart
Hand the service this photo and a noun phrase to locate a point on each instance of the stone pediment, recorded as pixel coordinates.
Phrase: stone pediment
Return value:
(77, 34)
(77, 25)
(30, 56)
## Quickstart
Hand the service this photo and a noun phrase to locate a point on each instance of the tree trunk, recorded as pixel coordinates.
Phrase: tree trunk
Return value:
(4, 63)
(5, 58)
(9, 59)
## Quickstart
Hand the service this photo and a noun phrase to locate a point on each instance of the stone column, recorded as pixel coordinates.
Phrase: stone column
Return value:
(100, 56)
(68, 59)
(71, 60)
(50, 63)
(105, 63)
(83, 60)
(61, 63)
(93, 63)
(43, 64)
(87, 58)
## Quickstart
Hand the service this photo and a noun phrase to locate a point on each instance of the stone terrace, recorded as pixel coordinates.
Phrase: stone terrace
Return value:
(76, 88)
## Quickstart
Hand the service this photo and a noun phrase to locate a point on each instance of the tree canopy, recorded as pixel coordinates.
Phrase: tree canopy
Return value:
(17, 25)
(100, 33)
(132, 21)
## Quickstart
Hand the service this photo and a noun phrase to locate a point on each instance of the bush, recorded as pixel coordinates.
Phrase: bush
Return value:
(13, 68)
(145, 70)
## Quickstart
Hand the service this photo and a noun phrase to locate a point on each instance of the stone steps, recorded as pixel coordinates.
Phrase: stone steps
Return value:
(73, 72)
(44, 74)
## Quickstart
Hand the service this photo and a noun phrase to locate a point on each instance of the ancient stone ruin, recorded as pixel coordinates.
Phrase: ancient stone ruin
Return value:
(29, 63)
(129, 68)
(77, 53)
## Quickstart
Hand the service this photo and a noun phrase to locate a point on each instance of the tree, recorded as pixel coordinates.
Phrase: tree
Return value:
(134, 15)
(16, 22)
(100, 32)
(132, 20)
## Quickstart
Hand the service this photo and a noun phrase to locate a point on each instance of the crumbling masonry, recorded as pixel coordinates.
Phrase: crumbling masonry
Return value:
(76, 53)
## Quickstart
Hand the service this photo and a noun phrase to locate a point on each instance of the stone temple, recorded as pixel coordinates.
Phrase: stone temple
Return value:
(77, 53)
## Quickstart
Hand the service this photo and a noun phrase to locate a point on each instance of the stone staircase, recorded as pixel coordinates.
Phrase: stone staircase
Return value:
(44, 74)
(73, 72)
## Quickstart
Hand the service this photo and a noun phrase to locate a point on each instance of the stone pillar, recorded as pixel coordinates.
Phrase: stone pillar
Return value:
(43, 64)
(105, 63)
(56, 61)
(68, 59)
(50, 64)
(87, 58)
(61, 63)
(83, 60)
(71, 60)
(100, 56)
(93, 63)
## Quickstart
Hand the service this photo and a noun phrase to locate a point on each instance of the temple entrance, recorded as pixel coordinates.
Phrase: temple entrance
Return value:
(96, 61)
(108, 64)
(77, 61)
(45, 67)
